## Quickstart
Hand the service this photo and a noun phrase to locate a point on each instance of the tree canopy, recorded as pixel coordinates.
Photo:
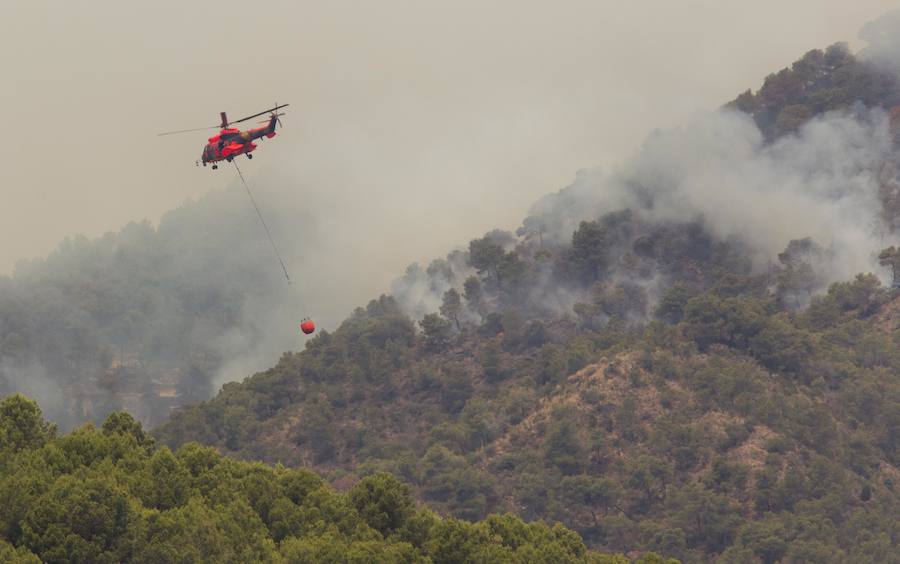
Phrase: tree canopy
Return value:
(109, 495)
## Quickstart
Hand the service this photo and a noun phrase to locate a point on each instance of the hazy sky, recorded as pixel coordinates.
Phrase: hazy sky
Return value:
(413, 127)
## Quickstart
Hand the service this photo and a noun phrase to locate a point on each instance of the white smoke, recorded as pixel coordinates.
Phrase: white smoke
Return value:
(883, 38)
(823, 182)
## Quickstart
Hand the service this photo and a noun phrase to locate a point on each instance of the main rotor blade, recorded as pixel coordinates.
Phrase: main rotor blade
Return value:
(259, 114)
(267, 120)
(187, 130)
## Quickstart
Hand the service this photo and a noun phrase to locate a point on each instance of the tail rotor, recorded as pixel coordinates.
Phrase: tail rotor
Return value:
(274, 113)
(277, 115)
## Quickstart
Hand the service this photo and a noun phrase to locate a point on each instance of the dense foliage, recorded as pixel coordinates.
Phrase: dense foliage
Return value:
(640, 381)
(110, 495)
(637, 377)
(741, 429)
(821, 81)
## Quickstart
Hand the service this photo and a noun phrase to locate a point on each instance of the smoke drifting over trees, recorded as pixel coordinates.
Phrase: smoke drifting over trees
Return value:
(883, 38)
(146, 318)
(812, 155)
(170, 313)
(669, 355)
(659, 356)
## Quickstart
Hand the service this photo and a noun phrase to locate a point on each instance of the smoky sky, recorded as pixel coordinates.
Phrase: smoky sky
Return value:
(413, 126)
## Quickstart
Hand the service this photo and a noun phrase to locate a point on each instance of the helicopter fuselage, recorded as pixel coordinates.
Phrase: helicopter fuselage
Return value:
(231, 142)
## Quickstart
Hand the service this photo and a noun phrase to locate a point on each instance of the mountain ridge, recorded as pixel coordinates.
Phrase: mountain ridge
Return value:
(643, 376)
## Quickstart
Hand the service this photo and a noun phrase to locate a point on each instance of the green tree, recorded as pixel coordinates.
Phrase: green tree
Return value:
(588, 255)
(21, 424)
(436, 331)
(864, 294)
(451, 306)
(196, 532)
(318, 432)
(383, 502)
(448, 481)
(474, 295)
(327, 548)
(454, 541)
(165, 484)
(591, 494)
(77, 520)
(512, 271)
(710, 520)
(486, 257)
(791, 118)
(797, 278)
(456, 388)
(765, 538)
(120, 422)
(13, 555)
(564, 446)
(649, 476)
(731, 321)
(781, 347)
(671, 306)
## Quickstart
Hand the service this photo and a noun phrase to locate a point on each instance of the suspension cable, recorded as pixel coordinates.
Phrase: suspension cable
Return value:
(263, 221)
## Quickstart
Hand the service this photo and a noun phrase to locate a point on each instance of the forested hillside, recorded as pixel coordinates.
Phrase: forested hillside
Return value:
(144, 318)
(820, 82)
(110, 494)
(690, 355)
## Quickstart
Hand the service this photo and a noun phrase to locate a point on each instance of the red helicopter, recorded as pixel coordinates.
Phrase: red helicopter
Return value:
(231, 142)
